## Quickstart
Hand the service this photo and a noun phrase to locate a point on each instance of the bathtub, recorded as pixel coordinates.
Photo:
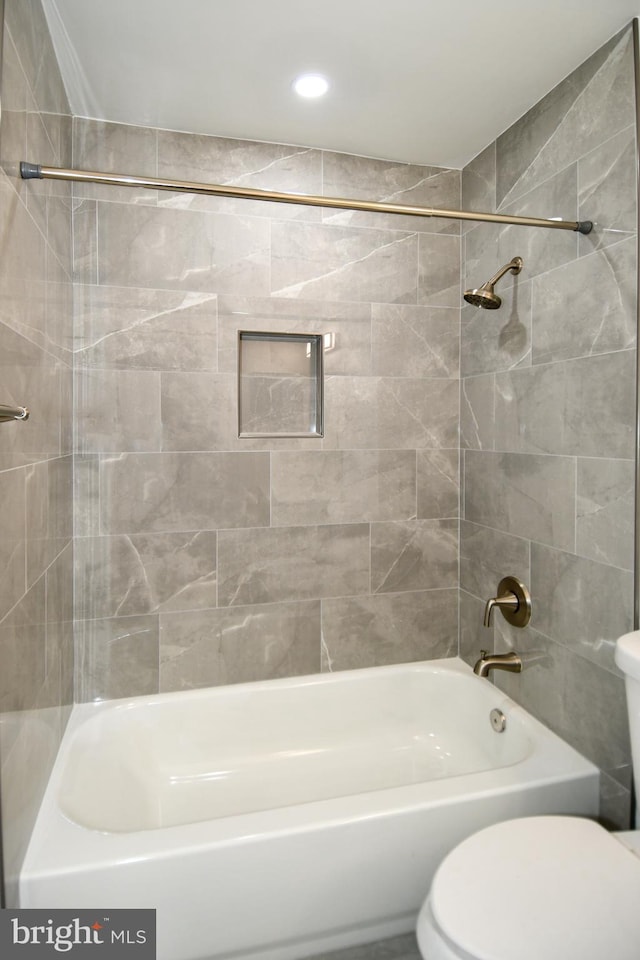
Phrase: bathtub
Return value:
(280, 819)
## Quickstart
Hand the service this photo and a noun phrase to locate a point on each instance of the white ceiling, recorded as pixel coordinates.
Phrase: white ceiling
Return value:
(422, 81)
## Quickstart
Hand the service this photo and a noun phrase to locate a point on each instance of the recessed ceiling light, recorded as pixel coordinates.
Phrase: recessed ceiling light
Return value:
(310, 85)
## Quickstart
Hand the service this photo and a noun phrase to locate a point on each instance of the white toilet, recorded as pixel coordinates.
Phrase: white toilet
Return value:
(543, 888)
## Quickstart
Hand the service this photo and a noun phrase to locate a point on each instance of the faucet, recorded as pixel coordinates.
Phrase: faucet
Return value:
(497, 661)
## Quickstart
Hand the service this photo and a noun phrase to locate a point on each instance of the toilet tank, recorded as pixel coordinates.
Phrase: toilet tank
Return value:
(628, 660)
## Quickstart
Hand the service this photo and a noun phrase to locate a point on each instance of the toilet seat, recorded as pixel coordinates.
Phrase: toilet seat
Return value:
(558, 888)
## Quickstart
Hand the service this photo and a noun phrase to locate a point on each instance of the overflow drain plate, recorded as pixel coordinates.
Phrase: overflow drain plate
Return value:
(498, 720)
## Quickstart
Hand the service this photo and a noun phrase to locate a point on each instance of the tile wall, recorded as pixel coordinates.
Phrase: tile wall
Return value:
(547, 408)
(36, 642)
(202, 558)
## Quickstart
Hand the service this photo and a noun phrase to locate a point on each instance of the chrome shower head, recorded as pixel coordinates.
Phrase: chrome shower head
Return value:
(485, 296)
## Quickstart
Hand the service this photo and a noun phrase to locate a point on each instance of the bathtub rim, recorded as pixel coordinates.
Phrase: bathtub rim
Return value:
(60, 846)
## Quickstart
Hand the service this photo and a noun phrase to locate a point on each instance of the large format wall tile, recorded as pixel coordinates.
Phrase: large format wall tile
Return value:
(146, 573)
(343, 263)
(292, 563)
(342, 486)
(414, 555)
(415, 341)
(542, 409)
(605, 506)
(389, 628)
(585, 605)
(590, 107)
(363, 178)
(438, 483)
(586, 307)
(239, 644)
(127, 328)
(529, 496)
(142, 246)
(164, 492)
(390, 412)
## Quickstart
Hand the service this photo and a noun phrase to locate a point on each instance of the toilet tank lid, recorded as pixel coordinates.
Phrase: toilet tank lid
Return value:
(627, 654)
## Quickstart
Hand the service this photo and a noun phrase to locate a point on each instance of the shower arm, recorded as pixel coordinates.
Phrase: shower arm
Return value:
(514, 265)
(36, 171)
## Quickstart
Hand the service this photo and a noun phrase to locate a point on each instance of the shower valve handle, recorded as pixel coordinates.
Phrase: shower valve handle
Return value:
(513, 600)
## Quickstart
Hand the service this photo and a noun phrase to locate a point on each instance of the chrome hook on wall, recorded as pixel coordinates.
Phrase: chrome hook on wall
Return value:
(8, 413)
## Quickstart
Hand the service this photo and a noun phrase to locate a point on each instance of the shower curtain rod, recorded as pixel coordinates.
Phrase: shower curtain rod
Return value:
(34, 171)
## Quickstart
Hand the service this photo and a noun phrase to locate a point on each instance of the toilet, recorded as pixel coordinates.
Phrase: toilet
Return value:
(543, 888)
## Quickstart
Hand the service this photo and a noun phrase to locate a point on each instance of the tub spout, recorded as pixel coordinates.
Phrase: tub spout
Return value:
(497, 661)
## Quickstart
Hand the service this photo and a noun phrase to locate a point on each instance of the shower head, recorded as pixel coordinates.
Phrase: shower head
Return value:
(485, 295)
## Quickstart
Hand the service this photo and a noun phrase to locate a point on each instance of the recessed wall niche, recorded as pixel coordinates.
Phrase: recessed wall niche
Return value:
(280, 385)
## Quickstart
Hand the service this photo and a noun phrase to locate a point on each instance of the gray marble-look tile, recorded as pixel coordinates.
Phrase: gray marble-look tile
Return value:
(23, 651)
(590, 106)
(522, 494)
(117, 410)
(494, 340)
(414, 555)
(117, 658)
(474, 636)
(586, 307)
(167, 492)
(25, 256)
(606, 191)
(85, 242)
(239, 644)
(479, 183)
(14, 113)
(49, 513)
(339, 486)
(389, 628)
(128, 328)
(488, 555)
(439, 270)
(346, 327)
(408, 341)
(200, 412)
(363, 178)
(145, 573)
(143, 246)
(581, 604)
(605, 511)
(292, 563)
(477, 415)
(438, 483)
(86, 495)
(115, 148)
(13, 533)
(582, 407)
(241, 163)
(387, 413)
(579, 701)
(540, 248)
(343, 263)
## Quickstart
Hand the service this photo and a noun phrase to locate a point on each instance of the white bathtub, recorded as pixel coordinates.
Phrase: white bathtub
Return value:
(280, 819)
